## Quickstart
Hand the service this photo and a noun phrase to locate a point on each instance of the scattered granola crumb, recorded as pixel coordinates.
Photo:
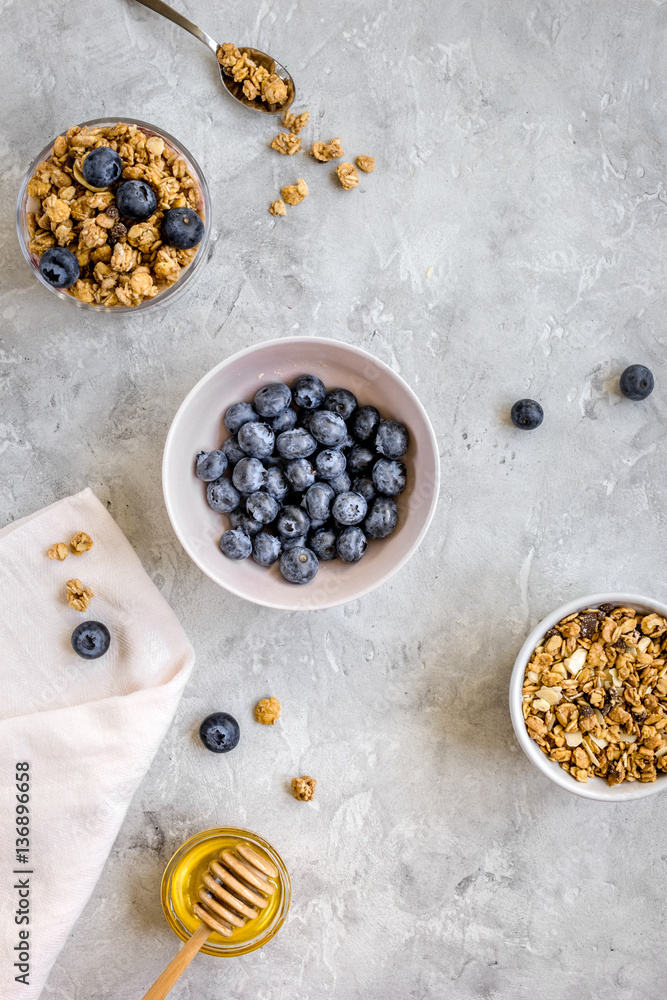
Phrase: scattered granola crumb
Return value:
(78, 596)
(58, 551)
(81, 542)
(256, 80)
(331, 150)
(278, 207)
(303, 788)
(286, 144)
(347, 175)
(366, 163)
(294, 194)
(267, 711)
(295, 123)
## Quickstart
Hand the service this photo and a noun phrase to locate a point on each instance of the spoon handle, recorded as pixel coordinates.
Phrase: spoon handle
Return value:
(182, 959)
(182, 22)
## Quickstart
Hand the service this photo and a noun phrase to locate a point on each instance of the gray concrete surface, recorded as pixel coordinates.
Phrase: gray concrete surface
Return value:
(521, 164)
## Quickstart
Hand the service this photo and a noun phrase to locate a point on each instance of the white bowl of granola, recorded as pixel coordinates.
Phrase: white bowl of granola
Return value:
(588, 697)
(119, 271)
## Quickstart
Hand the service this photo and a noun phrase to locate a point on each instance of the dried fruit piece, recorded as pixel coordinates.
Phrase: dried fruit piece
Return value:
(58, 551)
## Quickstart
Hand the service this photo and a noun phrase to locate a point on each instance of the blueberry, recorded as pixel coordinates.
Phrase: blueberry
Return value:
(102, 167)
(308, 391)
(323, 544)
(349, 508)
(262, 507)
(340, 484)
(265, 549)
(182, 228)
(219, 732)
(297, 443)
(90, 640)
(299, 565)
(527, 414)
(304, 418)
(318, 501)
(382, 518)
(256, 440)
(391, 439)
(364, 485)
(328, 428)
(239, 414)
(347, 442)
(235, 544)
(351, 544)
(210, 465)
(232, 451)
(340, 401)
(365, 423)
(637, 382)
(330, 463)
(285, 421)
(359, 459)
(299, 541)
(389, 477)
(276, 484)
(272, 399)
(59, 267)
(291, 522)
(245, 523)
(249, 475)
(136, 200)
(221, 496)
(300, 474)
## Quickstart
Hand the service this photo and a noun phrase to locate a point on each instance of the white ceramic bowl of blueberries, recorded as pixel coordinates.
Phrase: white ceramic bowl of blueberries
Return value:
(301, 473)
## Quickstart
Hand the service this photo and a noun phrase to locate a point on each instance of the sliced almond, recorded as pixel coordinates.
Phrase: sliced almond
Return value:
(540, 705)
(550, 695)
(643, 644)
(532, 676)
(600, 742)
(575, 662)
(661, 752)
(627, 738)
(573, 739)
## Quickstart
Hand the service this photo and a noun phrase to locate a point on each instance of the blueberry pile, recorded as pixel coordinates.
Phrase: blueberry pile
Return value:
(305, 476)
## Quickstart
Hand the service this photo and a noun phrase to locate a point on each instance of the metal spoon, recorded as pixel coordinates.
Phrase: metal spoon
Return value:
(235, 89)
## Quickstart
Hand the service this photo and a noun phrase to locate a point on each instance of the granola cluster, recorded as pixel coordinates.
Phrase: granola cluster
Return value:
(267, 711)
(122, 263)
(595, 694)
(78, 596)
(303, 788)
(257, 82)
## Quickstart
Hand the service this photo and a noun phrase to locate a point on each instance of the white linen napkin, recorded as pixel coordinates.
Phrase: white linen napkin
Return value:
(87, 729)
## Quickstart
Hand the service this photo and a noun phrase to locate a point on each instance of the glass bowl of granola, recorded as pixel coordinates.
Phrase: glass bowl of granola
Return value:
(588, 697)
(123, 263)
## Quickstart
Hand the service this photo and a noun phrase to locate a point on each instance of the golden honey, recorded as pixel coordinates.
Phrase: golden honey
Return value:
(182, 880)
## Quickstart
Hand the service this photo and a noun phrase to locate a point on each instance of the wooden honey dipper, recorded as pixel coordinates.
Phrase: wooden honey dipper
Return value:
(233, 890)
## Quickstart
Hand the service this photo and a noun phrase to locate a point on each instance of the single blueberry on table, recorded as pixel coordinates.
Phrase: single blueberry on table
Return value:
(210, 465)
(382, 518)
(265, 548)
(232, 451)
(276, 484)
(219, 732)
(222, 496)
(136, 200)
(351, 544)
(340, 401)
(318, 501)
(297, 443)
(391, 439)
(365, 423)
(262, 507)
(300, 474)
(299, 565)
(360, 459)
(285, 421)
(272, 399)
(91, 640)
(102, 167)
(308, 391)
(245, 523)
(364, 485)
(323, 544)
(182, 228)
(239, 414)
(328, 428)
(527, 414)
(59, 267)
(330, 463)
(389, 477)
(341, 483)
(249, 475)
(291, 522)
(349, 508)
(256, 439)
(235, 544)
(637, 382)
